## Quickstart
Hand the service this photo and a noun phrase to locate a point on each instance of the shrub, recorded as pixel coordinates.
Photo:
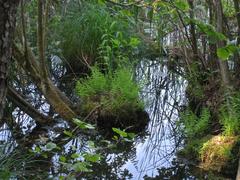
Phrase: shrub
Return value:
(195, 126)
(115, 92)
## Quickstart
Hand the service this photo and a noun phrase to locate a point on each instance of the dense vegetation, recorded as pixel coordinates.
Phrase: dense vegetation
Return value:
(75, 62)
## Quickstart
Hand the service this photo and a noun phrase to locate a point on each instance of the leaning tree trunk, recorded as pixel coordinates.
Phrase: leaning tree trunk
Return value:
(8, 9)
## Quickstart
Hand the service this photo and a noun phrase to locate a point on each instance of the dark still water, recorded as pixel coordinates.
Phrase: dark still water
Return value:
(152, 155)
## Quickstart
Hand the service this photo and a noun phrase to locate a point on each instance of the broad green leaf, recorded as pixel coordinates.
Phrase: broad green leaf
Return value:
(91, 144)
(75, 155)
(131, 135)
(68, 133)
(50, 146)
(120, 132)
(182, 5)
(92, 157)
(223, 53)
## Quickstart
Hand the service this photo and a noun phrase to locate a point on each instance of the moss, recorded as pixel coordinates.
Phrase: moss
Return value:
(216, 153)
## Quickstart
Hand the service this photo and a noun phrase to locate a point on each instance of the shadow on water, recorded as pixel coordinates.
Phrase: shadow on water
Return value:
(152, 155)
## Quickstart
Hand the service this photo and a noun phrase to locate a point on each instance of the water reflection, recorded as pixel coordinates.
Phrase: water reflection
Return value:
(163, 93)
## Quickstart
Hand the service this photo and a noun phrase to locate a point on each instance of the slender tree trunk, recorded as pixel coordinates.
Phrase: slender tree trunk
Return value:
(192, 29)
(224, 71)
(236, 55)
(212, 59)
(8, 9)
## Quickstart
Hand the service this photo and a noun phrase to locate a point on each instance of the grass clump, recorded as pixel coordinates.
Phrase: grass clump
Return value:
(115, 93)
(217, 152)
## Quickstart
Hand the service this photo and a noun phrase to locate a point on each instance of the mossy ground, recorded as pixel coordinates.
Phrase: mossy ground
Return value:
(217, 152)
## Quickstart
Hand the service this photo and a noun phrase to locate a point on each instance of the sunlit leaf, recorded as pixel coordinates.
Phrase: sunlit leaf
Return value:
(120, 132)
(75, 155)
(62, 159)
(82, 124)
(92, 157)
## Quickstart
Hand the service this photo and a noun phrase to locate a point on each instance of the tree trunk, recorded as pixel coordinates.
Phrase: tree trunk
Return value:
(236, 55)
(8, 9)
(224, 71)
(57, 99)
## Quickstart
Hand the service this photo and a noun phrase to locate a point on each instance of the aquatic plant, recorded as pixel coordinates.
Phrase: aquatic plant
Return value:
(114, 92)
(93, 34)
(18, 163)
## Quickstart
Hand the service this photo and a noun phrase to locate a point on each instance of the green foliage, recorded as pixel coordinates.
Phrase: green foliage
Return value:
(217, 152)
(125, 136)
(193, 147)
(82, 30)
(225, 52)
(212, 35)
(115, 92)
(195, 126)
(17, 164)
(181, 5)
(96, 34)
(96, 84)
(83, 125)
(230, 116)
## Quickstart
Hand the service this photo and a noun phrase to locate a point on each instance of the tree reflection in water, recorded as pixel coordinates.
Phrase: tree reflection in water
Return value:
(163, 93)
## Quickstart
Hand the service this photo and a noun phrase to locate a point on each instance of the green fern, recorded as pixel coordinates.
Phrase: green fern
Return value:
(230, 116)
(195, 126)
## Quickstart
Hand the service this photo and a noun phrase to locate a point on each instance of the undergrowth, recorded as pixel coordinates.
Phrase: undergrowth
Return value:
(193, 125)
(230, 116)
(115, 92)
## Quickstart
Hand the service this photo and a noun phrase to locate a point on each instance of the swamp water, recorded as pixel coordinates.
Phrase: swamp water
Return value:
(152, 155)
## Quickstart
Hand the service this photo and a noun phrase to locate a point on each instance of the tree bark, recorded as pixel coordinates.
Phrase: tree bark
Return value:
(224, 71)
(8, 10)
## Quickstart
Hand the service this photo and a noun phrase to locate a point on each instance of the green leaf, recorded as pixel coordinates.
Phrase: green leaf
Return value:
(75, 155)
(182, 5)
(50, 146)
(81, 167)
(82, 124)
(223, 53)
(120, 132)
(91, 144)
(37, 149)
(68, 133)
(131, 135)
(92, 157)
(62, 159)
(134, 42)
